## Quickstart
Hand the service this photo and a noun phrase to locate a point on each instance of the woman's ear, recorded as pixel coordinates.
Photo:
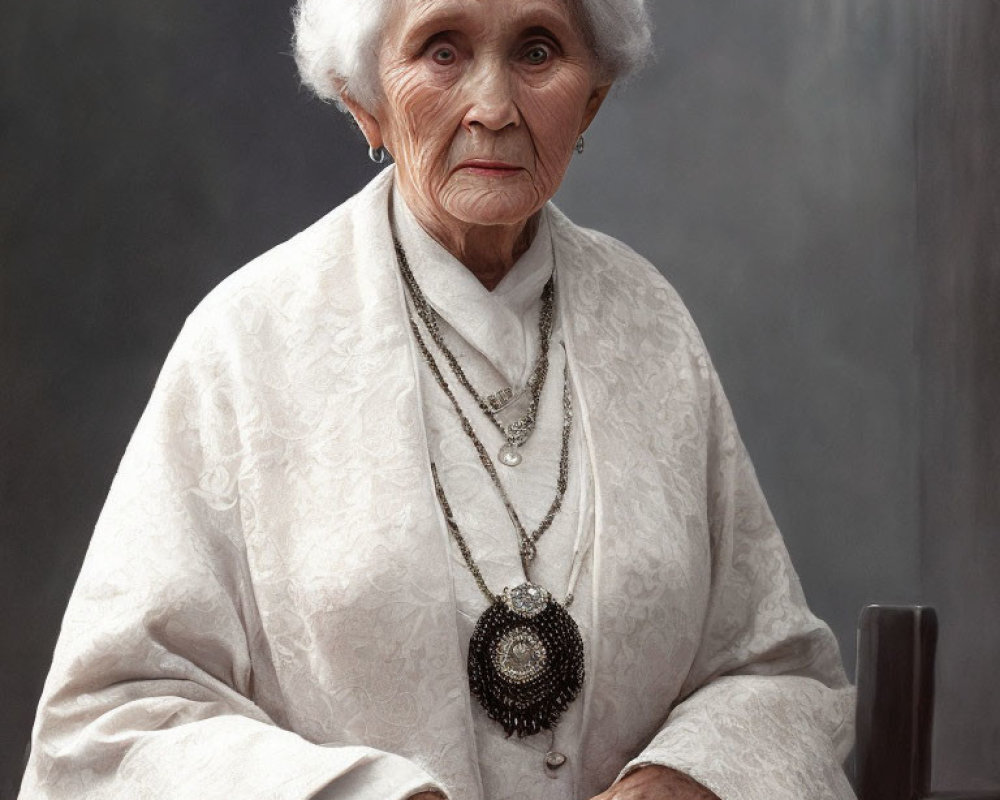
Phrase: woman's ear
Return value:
(593, 105)
(369, 125)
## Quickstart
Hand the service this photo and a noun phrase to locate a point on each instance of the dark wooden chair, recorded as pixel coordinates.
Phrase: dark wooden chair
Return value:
(896, 647)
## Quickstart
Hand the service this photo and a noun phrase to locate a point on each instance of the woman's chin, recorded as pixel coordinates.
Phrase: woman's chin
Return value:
(505, 202)
(494, 208)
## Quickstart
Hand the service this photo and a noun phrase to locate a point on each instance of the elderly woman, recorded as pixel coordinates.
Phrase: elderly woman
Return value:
(443, 496)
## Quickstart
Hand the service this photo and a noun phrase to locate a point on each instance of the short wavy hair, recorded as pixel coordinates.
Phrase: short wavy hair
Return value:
(336, 42)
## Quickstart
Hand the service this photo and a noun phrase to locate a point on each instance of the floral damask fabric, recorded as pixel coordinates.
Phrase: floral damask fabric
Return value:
(268, 608)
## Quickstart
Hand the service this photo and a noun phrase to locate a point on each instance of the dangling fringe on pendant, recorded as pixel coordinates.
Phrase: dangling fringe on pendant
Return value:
(526, 662)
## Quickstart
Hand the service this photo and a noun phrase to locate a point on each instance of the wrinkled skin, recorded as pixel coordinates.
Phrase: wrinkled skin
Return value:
(644, 783)
(657, 783)
(482, 104)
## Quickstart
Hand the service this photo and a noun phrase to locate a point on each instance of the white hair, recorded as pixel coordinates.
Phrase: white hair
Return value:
(336, 42)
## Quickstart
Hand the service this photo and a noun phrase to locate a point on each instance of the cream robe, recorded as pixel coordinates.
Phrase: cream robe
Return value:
(267, 608)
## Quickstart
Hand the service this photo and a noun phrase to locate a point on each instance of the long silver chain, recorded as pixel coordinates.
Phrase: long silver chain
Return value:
(527, 541)
(463, 546)
(459, 539)
(517, 432)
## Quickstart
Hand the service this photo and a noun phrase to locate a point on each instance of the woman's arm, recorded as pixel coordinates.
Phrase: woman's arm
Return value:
(154, 688)
(766, 712)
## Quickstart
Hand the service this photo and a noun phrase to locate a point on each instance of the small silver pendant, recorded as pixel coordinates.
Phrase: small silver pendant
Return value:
(509, 455)
(500, 399)
(527, 600)
(554, 759)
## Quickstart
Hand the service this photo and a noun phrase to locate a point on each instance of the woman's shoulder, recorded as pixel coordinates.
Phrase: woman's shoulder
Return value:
(613, 279)
(314, 278)
(289, 272)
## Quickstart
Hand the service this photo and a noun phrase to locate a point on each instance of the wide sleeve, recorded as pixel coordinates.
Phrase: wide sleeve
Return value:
(152, 689)
(766, 712)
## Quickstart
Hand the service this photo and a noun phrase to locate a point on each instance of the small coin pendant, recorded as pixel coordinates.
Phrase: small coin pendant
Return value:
(554, 759)
(509, 455)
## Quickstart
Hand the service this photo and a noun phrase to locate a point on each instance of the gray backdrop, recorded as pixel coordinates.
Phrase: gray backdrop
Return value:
(818, 179)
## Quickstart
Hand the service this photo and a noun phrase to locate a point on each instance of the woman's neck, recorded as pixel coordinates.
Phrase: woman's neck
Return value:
(488, 251)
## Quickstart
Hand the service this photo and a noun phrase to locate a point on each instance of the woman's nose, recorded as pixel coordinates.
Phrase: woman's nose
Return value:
(490, 95)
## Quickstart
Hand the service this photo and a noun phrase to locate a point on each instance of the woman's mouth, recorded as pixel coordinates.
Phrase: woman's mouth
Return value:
(488, 169)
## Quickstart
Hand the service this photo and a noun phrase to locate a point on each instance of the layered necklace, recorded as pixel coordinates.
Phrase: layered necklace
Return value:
(517, 432)
(526, 662)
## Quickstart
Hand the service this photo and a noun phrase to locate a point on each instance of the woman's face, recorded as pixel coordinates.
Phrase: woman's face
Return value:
(483, 101)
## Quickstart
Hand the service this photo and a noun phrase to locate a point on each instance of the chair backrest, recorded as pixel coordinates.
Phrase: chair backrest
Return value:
(896, 647)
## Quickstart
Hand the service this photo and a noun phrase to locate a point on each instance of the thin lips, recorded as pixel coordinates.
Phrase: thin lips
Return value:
(485, 164)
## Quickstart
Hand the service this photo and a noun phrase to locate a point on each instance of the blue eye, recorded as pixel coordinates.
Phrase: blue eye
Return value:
(537, 54)
(443, 55)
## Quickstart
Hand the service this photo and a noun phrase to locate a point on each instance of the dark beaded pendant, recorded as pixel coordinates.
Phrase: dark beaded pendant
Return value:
(525, 669)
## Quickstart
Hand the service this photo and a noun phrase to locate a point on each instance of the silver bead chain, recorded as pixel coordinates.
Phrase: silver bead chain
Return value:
(459, 539)
(527, 541)
(517, 432)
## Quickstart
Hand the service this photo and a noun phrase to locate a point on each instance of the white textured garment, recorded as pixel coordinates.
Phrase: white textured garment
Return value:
(270, 606)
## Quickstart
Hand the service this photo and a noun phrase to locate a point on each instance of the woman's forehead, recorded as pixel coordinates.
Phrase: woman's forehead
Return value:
(411, 14)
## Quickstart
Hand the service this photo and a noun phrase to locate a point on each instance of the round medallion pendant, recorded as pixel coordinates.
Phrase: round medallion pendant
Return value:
(525, 660)
(520, 655)
(509, 455)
